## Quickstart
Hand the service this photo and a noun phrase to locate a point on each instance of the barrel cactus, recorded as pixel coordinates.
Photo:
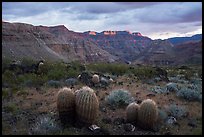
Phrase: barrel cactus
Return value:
(95, 79)
(148, 114)
(66, 105)
(87, 105)
(132, 112)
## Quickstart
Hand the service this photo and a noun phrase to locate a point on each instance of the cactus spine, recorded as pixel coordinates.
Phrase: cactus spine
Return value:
(87, 105)
(66, 105)
(132, 112)
(148, 114)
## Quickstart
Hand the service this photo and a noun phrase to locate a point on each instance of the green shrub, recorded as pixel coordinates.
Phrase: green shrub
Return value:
(119, 98)
(31, 80)
(9, 77)
(114, 69)
(5, 92)
(144, 72)
(71, 73)
(57, 73)
(28, 62)
(5, 64)
(11, 107)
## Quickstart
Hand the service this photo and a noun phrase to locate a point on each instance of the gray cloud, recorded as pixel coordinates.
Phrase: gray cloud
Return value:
(147, 17)
(172, 13)
(24, 9)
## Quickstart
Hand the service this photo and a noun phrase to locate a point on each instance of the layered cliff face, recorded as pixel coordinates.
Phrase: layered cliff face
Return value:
(189, 53)
(53, 43)
(159, 52)
(123, 44)
(58, 43)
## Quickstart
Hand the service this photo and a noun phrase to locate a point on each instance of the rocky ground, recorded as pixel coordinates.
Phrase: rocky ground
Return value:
(34, 110)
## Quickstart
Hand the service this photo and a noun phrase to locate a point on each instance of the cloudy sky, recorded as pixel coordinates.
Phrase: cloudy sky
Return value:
(153, 19)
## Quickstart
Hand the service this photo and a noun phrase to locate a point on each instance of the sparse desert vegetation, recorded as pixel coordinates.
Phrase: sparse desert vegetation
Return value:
(29, 99)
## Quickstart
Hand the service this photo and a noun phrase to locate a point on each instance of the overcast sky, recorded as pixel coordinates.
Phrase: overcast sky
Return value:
(153, 19)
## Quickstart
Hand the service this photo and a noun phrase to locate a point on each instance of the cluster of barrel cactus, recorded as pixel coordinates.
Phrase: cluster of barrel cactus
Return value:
(145, 114)
(83, 106)
(84, 103)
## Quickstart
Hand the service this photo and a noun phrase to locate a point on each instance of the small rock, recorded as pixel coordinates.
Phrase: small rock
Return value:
(129, 127)
(171, 120)
(94, 127)
(150, 95)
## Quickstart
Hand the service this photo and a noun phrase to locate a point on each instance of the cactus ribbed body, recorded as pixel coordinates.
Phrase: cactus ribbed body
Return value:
(132, 112)
(66, 104)
(95, 79)
(148, 114)
(87, 105)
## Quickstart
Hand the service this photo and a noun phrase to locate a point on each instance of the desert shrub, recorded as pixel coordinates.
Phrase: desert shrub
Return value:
(195, 87)
(177, 111)
(27, 62)
(114, 69)
(46, 67)
(31, 80)
(45, 125)
(54, 83)
(189, 94)
(11, 107)
(119, 98)
(188, 74)
(174, 79)
(57, 72)
(9, 77)
(72, 73)
(173, 72)
(5, 63)
(144, 72)
(196, 81)
(157, 79)
(172, 87)
(162, 114)
(158, 89)
(5, 92)
(71, 81)
(76, 65)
